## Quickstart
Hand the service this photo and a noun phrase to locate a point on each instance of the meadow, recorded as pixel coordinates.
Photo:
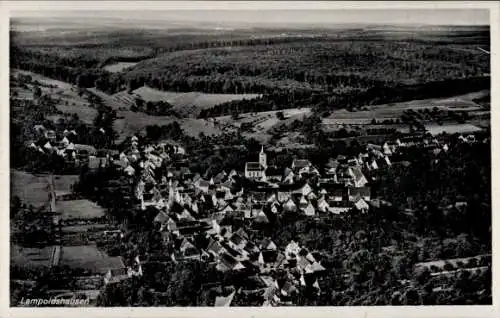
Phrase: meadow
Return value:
(79, 209)
(33, 189)
(88, 257)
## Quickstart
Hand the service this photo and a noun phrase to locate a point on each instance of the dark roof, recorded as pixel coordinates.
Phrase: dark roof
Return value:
(301, 163)
(254, 166)
(270, 256)
(228, 260)
(259, 196)
(242, 233)
(362, 191)
(291, 187)
(203, 183)
(236, 238)
(274, 171)
(253, 283)
(118, 271)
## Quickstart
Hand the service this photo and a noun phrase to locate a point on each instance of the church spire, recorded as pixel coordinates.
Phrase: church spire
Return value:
(263, 158)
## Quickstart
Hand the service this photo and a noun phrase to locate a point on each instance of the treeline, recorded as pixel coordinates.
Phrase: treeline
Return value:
(153, 108)
(268, 102)
(321, 102)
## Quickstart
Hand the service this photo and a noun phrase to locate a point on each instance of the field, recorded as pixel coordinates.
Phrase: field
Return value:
(32, 257)
(350, 119)
(88, 257)
(32, 189)
(189, 104)
(79, 209)
(452, 128)
(118, 67)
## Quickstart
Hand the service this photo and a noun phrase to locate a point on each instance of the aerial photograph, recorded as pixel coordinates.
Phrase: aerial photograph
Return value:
(239, 158)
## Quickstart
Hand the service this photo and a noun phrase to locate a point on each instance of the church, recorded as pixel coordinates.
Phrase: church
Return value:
(257, 170)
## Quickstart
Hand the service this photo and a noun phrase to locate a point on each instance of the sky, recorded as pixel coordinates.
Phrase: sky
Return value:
(262, 14)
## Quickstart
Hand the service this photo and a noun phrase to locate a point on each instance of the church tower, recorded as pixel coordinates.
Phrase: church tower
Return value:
(263, 158)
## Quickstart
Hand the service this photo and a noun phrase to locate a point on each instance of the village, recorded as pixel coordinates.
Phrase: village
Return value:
(228, 210)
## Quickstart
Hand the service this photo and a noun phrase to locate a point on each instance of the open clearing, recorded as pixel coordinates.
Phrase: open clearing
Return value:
(186, 104)
(88, 257)
(118, 67)
(451, 128)
(45, 81)
(79, 209)
(395, 110)
(32, 189)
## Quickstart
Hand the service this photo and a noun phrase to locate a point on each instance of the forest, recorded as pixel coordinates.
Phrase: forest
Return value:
(320, 73)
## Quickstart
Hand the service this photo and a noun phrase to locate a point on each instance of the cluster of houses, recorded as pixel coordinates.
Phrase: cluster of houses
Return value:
(49, 142)
(217, 219)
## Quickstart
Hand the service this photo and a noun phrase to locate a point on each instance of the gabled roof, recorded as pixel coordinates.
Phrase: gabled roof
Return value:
(214, 246)
(242, 233)
(358, 174)
(237, 239)
(221, 301)
(317, 267)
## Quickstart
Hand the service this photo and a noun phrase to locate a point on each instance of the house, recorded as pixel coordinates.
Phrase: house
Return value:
(358, 176)
(214, 247)
(289, 206)
(116, 275)
(227, 263)
(363, 192)
(257, 170)
(267, 244)
(361, 204)
(274, 174)
(129, 170)
(323, 206)
(261, 217)
(221, 301)
(292, 250)
(283, 196)
(309, 210)
(187, 251)
(203, 185)
(299, 164)
(331, 167)
(254, 170)
(338, 194)
(220, 177)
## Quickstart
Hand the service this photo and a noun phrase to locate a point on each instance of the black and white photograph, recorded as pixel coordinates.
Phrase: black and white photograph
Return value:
(259, 157)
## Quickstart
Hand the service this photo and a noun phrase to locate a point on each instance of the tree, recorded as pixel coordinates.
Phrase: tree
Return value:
(37, 92)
